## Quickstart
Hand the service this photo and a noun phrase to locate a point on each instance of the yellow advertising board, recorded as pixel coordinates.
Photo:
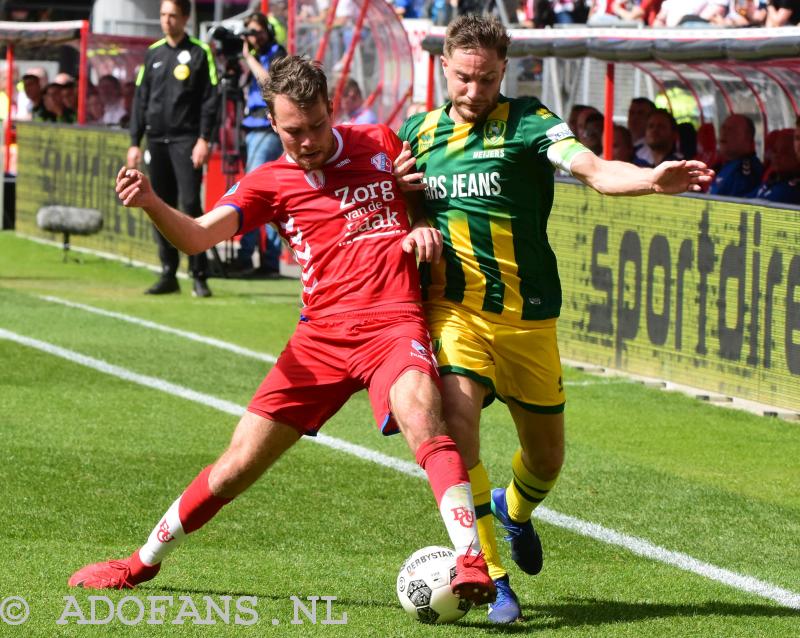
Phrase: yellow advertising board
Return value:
(77, 166)
(696, 291)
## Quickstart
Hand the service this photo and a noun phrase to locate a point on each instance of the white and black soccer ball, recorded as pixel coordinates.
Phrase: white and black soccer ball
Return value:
(423, 586)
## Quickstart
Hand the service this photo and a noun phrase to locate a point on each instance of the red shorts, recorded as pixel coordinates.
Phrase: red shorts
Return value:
(329, 359)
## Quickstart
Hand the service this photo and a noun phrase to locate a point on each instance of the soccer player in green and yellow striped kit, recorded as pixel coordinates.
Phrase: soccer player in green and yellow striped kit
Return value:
(493, 301)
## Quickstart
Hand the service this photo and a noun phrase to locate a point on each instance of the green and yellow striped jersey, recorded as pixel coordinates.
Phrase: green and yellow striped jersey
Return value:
(489, 191)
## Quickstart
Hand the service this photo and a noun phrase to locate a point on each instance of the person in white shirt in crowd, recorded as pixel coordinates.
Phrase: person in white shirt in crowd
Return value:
(675, 13)
(33, 82)
(110, 91)
(352, 105)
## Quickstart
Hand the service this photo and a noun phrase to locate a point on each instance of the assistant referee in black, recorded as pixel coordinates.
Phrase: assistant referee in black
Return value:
(175, 106)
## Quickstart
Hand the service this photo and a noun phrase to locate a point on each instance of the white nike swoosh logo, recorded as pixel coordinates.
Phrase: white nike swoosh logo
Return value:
(156, 64)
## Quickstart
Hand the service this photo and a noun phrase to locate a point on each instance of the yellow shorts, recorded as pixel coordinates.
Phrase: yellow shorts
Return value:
(512, 362)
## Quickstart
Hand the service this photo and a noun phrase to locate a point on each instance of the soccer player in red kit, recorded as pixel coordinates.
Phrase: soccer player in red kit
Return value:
(337, 203)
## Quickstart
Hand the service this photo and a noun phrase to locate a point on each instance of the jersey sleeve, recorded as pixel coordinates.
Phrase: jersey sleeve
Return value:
(254, 198)
(548, 136)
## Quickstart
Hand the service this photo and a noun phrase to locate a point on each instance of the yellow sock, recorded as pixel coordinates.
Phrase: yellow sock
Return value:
(525, 491)
(481, 495)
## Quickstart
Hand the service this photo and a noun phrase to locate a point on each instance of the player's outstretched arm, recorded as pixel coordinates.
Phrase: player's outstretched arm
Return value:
(188, 235)
(621, 178)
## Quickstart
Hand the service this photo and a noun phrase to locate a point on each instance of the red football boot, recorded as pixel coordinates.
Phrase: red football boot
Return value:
(114, 574)
(472, 579)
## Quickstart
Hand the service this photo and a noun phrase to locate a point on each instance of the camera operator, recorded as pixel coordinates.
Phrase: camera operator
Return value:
(175, 104)
(263, 144)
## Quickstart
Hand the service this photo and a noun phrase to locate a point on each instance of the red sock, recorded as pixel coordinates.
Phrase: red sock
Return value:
(198, 505)
(193, 509)
(139, 571)
(440, 459)
(449, 479)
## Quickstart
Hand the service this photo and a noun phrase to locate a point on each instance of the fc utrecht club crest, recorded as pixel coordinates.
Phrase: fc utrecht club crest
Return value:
(382, 162)
(315, 178)
(419, 347)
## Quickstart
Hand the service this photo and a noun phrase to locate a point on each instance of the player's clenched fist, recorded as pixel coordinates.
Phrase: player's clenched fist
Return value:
(134, 189)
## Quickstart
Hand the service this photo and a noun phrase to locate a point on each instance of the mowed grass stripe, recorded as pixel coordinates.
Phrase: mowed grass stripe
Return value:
(191, 336)
(225, 345)
(634, 544)
(204, 399)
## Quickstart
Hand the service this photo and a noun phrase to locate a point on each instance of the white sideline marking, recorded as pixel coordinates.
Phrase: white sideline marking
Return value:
(645, 548)
(204, 399)
(224, 345)
(193, 336)
(639, 546)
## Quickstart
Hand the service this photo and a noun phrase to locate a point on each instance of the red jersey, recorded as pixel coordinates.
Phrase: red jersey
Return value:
(345, 221)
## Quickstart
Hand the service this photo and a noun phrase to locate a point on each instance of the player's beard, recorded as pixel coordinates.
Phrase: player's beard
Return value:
(471, 112)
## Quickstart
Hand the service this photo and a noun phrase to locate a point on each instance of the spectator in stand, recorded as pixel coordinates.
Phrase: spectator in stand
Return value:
(408, 8)
(352, 105)
(53, 106)
(602, 12)
(783, 182)
(783, 13)
(592, 137)
(568, 11)
(675, 13)
(639, 110)
(580, 120)
(660, 140)
(623, 145)
(643, 12)
(440, 12)
(741, 170)
(33, 82)
(628, 10)
(69, 93)
(743, 13)
(110, 91)
(572, 118)
(94, 107)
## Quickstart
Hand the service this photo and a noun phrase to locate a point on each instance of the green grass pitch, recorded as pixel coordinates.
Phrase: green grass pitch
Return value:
(90, 461)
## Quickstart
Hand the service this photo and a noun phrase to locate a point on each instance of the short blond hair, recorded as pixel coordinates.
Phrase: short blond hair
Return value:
(472, 32)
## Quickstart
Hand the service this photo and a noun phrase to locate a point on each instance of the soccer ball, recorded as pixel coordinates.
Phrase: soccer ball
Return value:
(423, 586)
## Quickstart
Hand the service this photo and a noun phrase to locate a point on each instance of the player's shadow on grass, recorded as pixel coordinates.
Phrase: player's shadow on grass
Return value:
(579, 612)
(589, 612)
